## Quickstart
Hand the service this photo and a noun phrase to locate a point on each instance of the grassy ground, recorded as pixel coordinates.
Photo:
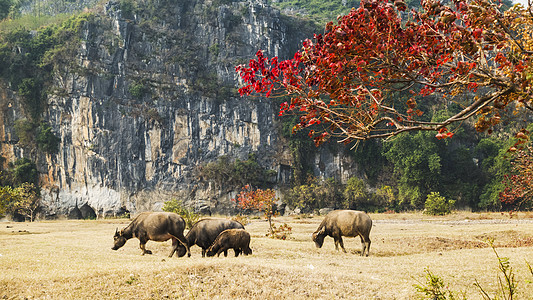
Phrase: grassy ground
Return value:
(74, 260)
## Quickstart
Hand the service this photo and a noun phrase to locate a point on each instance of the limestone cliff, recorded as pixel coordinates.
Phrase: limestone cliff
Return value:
(151, 96)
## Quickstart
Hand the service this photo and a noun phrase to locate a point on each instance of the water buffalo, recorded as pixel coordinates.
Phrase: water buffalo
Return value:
(154, 226)
(204, 232)
(236, 239)
(339, 223)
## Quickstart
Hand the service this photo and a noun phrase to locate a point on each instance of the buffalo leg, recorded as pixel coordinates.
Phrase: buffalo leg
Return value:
(341, 242)
(143, 248)
(367, 246)
(174, 246)
(336, 240)
(237, 252)
(226, 253)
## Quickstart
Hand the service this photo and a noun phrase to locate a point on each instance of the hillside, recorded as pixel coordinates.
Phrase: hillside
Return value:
(123, 105)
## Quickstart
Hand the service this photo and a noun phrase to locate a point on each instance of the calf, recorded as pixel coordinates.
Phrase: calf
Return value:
(236, 239)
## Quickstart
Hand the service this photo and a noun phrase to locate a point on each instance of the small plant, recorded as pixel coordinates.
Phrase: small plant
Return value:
(435, 289)
(282, 232)
(438, 205)
(132, 279)
(507, 285)
(187, 214)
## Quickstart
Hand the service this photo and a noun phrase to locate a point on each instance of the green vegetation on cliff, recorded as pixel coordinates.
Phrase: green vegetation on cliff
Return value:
(321, 11)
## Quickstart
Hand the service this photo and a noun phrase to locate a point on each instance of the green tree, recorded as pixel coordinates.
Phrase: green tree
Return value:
(417, 162)
(356, 194)
(23, 200)
(492, 154)
(5, 6)
(7, 197)
(301, 196)
(27, 201)
(388, 195)
(24, 170)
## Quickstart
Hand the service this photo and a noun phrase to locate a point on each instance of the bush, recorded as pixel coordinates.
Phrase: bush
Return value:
(138, 90)
(438, 205)
(187, 214)
(282, 232)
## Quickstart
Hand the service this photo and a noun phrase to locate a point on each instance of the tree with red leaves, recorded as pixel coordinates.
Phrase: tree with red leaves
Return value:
(518, 191)
(472, 53)
(259, 200)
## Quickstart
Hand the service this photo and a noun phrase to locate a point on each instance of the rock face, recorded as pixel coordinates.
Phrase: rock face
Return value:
(150, 97)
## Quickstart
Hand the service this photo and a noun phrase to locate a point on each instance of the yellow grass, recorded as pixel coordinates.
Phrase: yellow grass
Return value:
(74, 260)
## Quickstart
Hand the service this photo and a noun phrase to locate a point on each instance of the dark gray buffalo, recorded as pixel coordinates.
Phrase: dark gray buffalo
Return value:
(204, 232)
(154, 226)
(339, 223)
(236, 239)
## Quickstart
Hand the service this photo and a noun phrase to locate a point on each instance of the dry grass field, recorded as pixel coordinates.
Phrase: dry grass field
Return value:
(74, 260)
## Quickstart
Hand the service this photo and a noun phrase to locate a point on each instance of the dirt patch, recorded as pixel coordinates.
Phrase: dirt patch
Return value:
(507, 238)
(415, 245)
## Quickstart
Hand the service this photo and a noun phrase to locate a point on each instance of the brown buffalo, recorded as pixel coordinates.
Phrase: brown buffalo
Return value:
(236, 239)
(154, 226)
(339, 223)
(204, 232)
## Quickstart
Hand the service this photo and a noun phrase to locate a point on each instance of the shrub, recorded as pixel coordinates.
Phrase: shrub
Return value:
(438, 205)
(138, 90)
(187, 214)
(46, 140)
(282, 232)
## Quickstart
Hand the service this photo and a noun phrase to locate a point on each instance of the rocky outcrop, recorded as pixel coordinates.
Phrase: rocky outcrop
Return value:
(150, 97)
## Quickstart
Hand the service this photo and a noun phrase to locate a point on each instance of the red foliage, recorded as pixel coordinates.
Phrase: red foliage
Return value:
(342, 78)
(260, 200)
(519, 184)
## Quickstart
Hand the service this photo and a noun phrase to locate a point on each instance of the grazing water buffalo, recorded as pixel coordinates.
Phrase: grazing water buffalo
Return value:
(204, 232)
(339, 223)
(154, 226)
(236, 239)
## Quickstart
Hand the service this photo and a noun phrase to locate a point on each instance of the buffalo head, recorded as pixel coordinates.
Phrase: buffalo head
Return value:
(120, 240)
(210, 253)
(318, 238)
(181, 251)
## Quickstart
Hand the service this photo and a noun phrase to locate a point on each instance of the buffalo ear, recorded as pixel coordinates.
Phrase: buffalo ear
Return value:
(116, 231)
